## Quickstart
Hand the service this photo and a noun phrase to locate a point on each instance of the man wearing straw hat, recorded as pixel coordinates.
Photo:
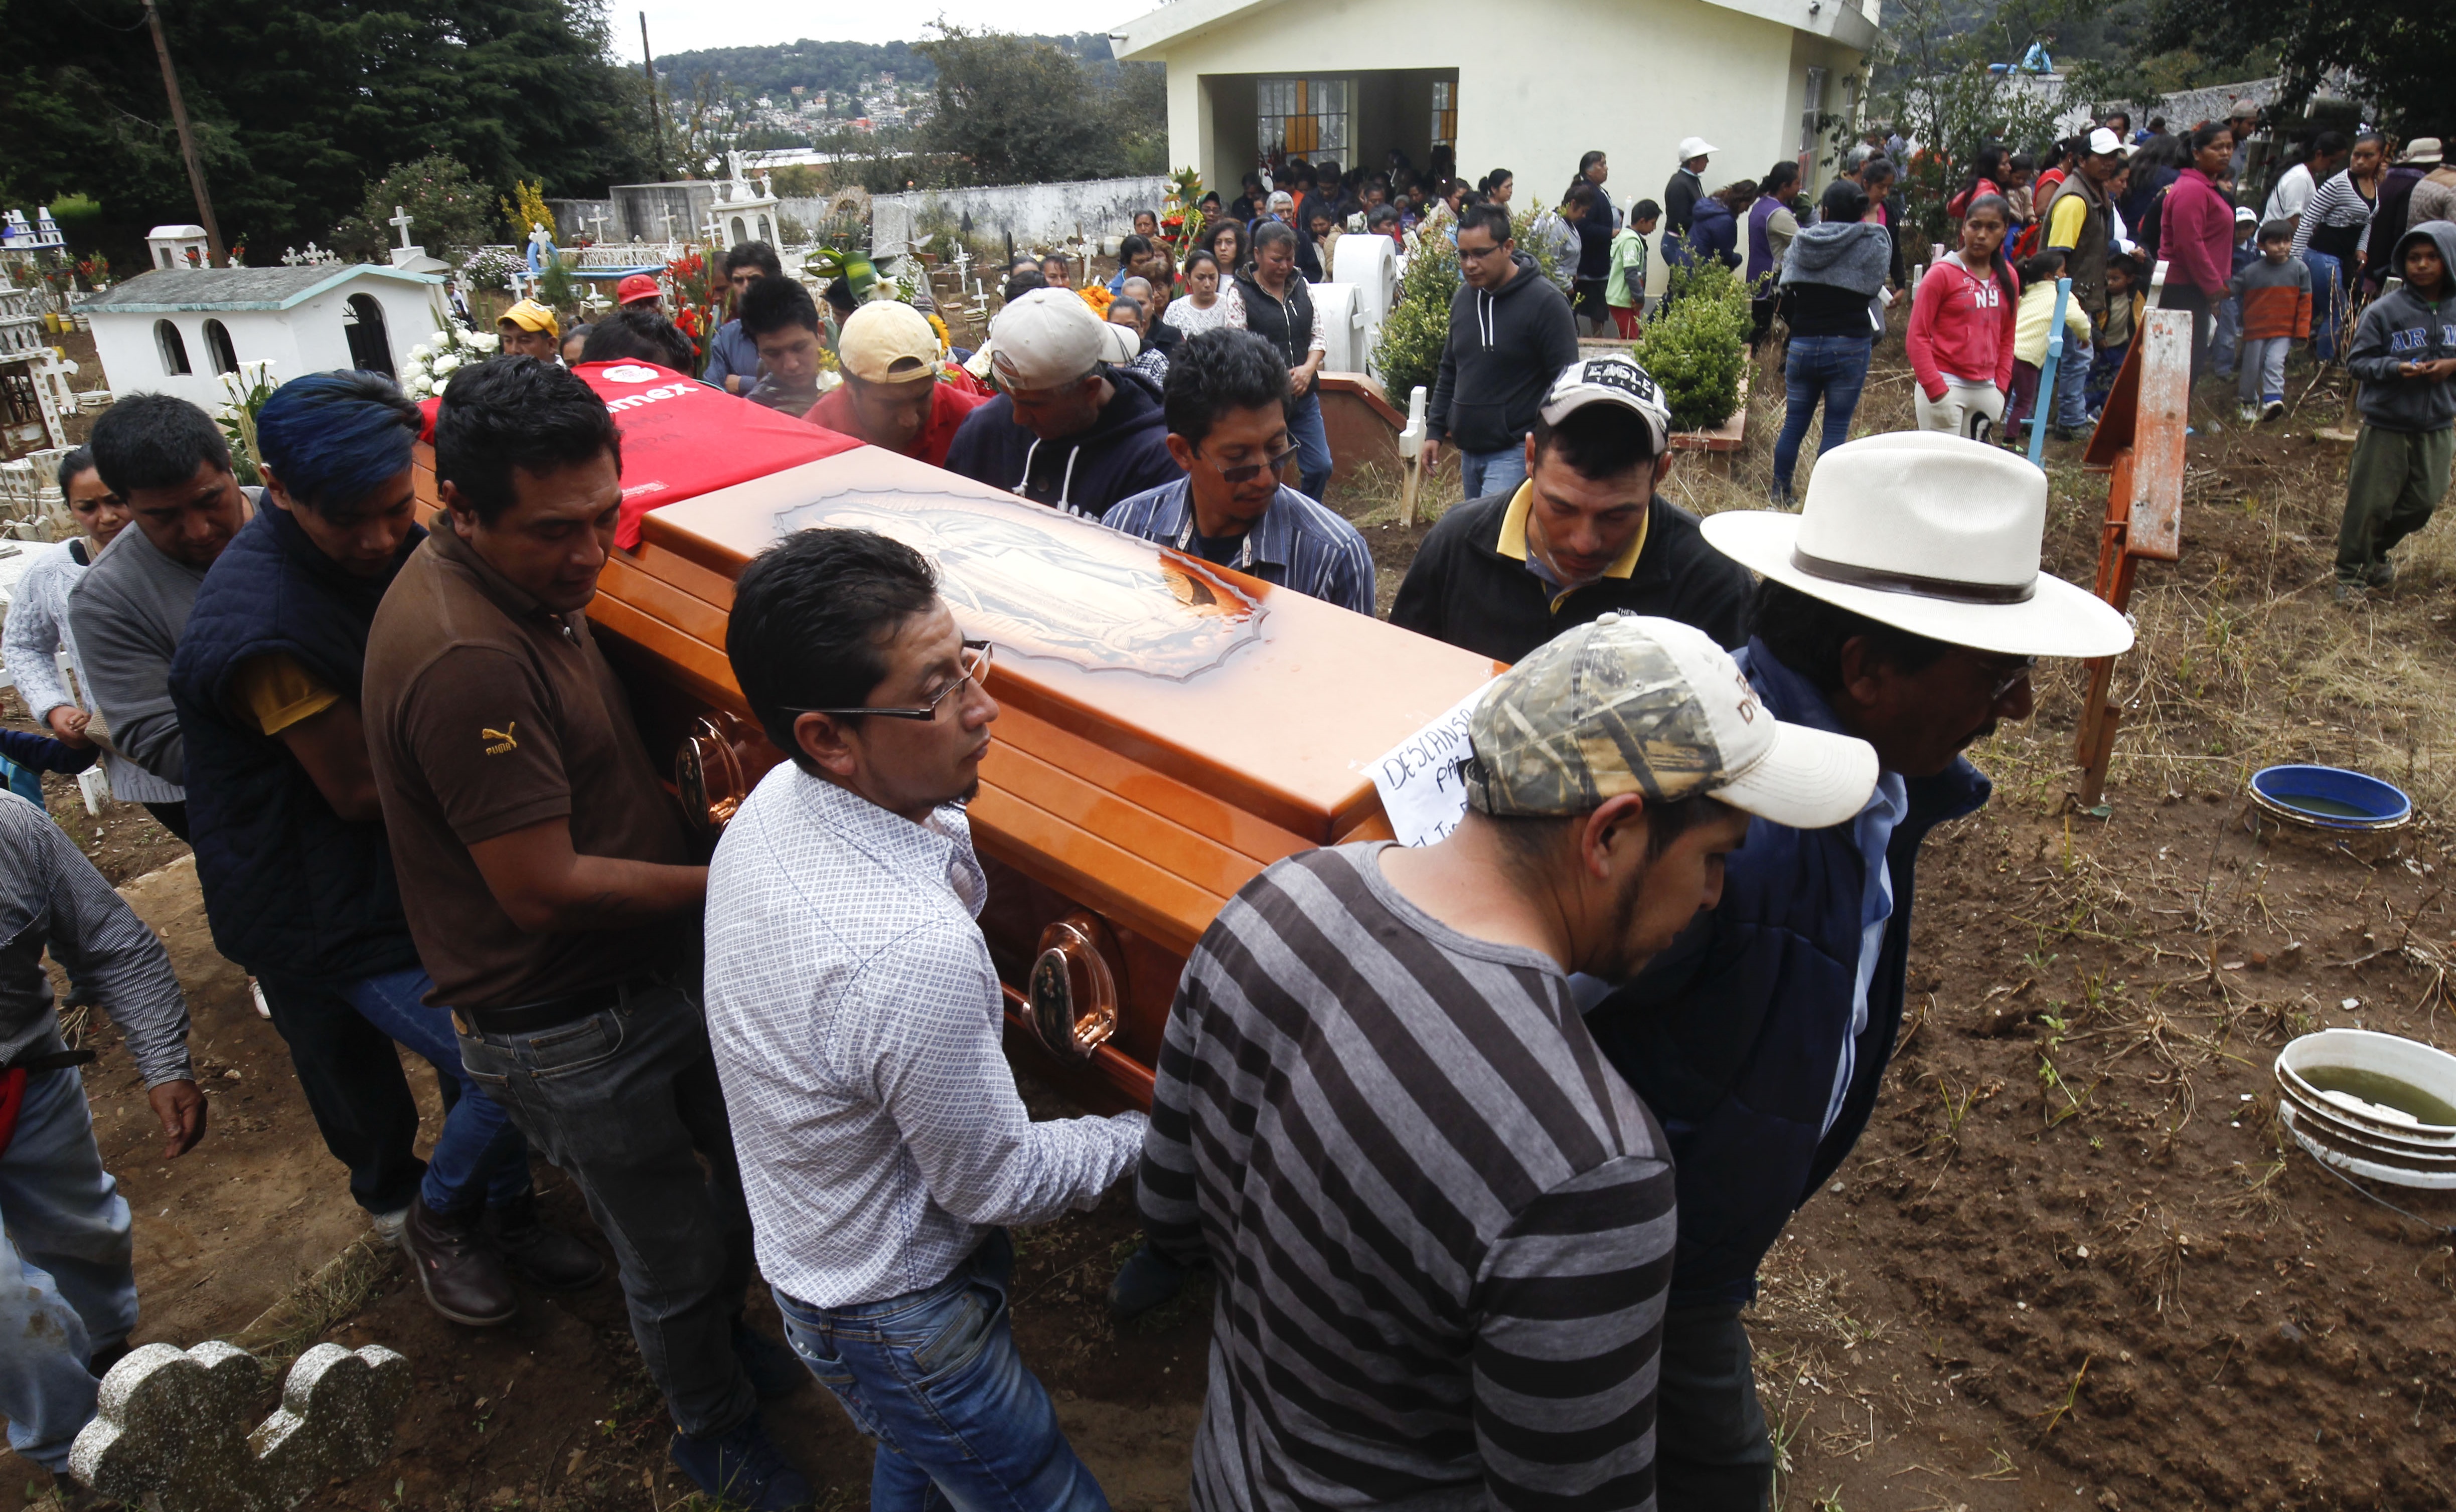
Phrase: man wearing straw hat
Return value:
(1903, 605)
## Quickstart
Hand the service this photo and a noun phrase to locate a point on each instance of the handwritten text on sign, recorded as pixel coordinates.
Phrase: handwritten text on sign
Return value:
(1418, 778)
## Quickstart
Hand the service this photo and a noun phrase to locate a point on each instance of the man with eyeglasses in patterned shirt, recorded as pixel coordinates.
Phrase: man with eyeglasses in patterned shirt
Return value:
(1227, 407)
(857, 1022)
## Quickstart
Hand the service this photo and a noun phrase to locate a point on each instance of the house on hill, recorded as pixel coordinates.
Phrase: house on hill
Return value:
(177, 330)
(1528, 87)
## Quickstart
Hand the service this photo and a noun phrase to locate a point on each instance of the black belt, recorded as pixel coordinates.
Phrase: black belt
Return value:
(553, 1012)
(49, 1060)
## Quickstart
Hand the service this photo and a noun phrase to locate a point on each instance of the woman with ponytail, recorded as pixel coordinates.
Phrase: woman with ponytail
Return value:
(1960, 340)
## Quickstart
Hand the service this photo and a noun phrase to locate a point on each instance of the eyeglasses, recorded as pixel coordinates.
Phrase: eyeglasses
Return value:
(2011, 675)
(1253, 470)
(975, 664)
(1480, 253)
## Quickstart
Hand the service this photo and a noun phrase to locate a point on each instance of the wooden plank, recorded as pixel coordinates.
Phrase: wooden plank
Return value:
(2164, 349)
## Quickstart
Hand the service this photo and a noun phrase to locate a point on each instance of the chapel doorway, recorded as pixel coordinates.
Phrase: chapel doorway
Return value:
(362, 321)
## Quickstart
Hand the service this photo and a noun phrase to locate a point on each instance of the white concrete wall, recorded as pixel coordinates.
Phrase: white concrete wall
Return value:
(1033, 214)
(1646, 74)
(306, 338)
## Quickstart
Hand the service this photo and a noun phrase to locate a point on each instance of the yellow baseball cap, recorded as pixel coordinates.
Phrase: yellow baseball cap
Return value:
(885, 341)
(530, 315)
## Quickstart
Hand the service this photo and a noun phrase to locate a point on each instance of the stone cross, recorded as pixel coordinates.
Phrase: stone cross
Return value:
(171, 1429)
(667, 221)
(597, 219)
(400, 218)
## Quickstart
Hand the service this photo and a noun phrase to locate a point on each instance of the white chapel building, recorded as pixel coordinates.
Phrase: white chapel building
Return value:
(1529, 87)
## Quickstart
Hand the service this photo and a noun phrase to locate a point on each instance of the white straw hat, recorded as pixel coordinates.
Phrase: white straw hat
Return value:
(1696, 147)
(1933, 534)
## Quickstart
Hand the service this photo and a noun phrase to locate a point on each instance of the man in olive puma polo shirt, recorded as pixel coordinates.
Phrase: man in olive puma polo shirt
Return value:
(553, 896)
(1588, 531)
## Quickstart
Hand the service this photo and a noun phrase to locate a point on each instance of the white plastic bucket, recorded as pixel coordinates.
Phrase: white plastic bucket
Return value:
(2376, 1105)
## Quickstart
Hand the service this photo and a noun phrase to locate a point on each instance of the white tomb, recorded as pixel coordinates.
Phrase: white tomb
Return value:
(177, 247)
(743, 210)
(177, 330)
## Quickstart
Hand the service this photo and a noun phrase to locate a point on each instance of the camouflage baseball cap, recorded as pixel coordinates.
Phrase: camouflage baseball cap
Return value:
(1631, 703)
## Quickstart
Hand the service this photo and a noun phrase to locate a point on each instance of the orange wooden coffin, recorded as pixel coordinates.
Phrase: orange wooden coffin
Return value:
(1167, 728)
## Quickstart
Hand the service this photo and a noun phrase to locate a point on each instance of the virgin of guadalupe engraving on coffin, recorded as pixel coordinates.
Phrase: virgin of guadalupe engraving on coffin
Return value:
(1167, 728)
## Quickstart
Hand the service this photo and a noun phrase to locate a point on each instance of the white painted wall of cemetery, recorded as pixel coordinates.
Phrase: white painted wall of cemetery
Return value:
(1035, 215)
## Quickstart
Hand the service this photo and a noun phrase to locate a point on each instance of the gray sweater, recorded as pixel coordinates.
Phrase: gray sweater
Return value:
(50, 897)
(127, 613)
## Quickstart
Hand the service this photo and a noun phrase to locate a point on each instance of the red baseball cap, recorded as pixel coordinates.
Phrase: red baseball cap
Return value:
(636, 288)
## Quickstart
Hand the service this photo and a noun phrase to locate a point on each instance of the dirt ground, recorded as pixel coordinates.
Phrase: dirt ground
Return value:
(2075, 1263)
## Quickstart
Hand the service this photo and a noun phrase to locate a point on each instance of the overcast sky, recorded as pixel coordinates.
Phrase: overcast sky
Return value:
(684, 26)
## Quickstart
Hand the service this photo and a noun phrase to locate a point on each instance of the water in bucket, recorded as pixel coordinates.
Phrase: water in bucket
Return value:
(2379, 1097)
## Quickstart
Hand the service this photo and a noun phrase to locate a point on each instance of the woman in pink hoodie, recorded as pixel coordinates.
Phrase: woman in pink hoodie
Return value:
(1961, 327)
(2195, 237)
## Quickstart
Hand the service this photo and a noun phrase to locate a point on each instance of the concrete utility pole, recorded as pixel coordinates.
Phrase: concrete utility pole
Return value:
(214, 253)
(656, 112)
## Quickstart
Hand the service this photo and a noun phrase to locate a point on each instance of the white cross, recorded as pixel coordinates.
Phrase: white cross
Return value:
(667, 221)
(597, 219)
(400, 218)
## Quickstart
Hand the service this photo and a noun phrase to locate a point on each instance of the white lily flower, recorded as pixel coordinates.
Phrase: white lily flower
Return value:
(443, 364)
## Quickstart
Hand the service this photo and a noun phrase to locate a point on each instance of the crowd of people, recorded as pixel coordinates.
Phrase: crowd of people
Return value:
(1484, 1142)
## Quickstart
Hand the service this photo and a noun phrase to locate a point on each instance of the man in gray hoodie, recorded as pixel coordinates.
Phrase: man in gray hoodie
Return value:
(167, 459)
(1510, 336)
(2404, 355)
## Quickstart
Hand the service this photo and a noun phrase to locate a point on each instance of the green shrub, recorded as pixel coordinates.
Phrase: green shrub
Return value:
(557, 289)
(1696, 345)
(1409, 351)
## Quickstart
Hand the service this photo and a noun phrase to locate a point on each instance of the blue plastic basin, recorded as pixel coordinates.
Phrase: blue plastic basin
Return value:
(2330, 798)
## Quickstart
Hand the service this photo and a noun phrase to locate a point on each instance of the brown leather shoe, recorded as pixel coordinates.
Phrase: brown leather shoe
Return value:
(459, 1270)
(545, 1258)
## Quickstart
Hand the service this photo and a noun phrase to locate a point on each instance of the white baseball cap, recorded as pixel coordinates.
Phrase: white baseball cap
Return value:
(1696, 147)
(2103, 142)
(1047, 338)
(1610, 378)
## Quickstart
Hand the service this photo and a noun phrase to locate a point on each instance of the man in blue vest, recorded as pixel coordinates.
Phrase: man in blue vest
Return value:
(290, 843)
(1902, 605)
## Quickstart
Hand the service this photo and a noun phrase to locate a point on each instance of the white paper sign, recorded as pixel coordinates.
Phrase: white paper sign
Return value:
(1418, 778)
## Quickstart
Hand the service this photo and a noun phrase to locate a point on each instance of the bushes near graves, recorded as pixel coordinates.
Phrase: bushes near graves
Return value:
(1695, 344)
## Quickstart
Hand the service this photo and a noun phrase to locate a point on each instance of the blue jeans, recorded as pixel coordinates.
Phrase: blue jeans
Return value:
(68, 1282)
(1313, 444)
(627, 1103)
(1832, 368)
(2072, 378)
(934, 1378)
(2226, 340)
(478, 1148)
(340, 1036)
(2328, 299)
(1486, 473)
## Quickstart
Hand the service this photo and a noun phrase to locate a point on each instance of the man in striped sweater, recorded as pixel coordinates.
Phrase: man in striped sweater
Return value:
(1443, 1227)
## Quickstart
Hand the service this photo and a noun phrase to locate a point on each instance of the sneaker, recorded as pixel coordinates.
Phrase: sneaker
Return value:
(2273, 410)
(2382, 573)
(741, 1470)
(387, 1226)
(2248, 414)
(2350, 593)
(1147, 1279)
(775, 1371)
(545, 1258)
(255, 991)
(462, 1275)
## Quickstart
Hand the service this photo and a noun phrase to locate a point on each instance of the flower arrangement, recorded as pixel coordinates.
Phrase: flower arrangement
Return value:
(432, 363)
(1181, 212)
(699, 300)
(1096, 295)
(495, 268)
(246, 391)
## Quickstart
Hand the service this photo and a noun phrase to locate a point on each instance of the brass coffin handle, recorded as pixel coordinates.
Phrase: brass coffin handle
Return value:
(1072, 1001)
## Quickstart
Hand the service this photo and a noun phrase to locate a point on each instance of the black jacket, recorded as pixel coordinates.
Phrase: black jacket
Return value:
(1733, 1035)
(291, 887)
(1463, 590)
(1125, 452)
(1505, 347)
